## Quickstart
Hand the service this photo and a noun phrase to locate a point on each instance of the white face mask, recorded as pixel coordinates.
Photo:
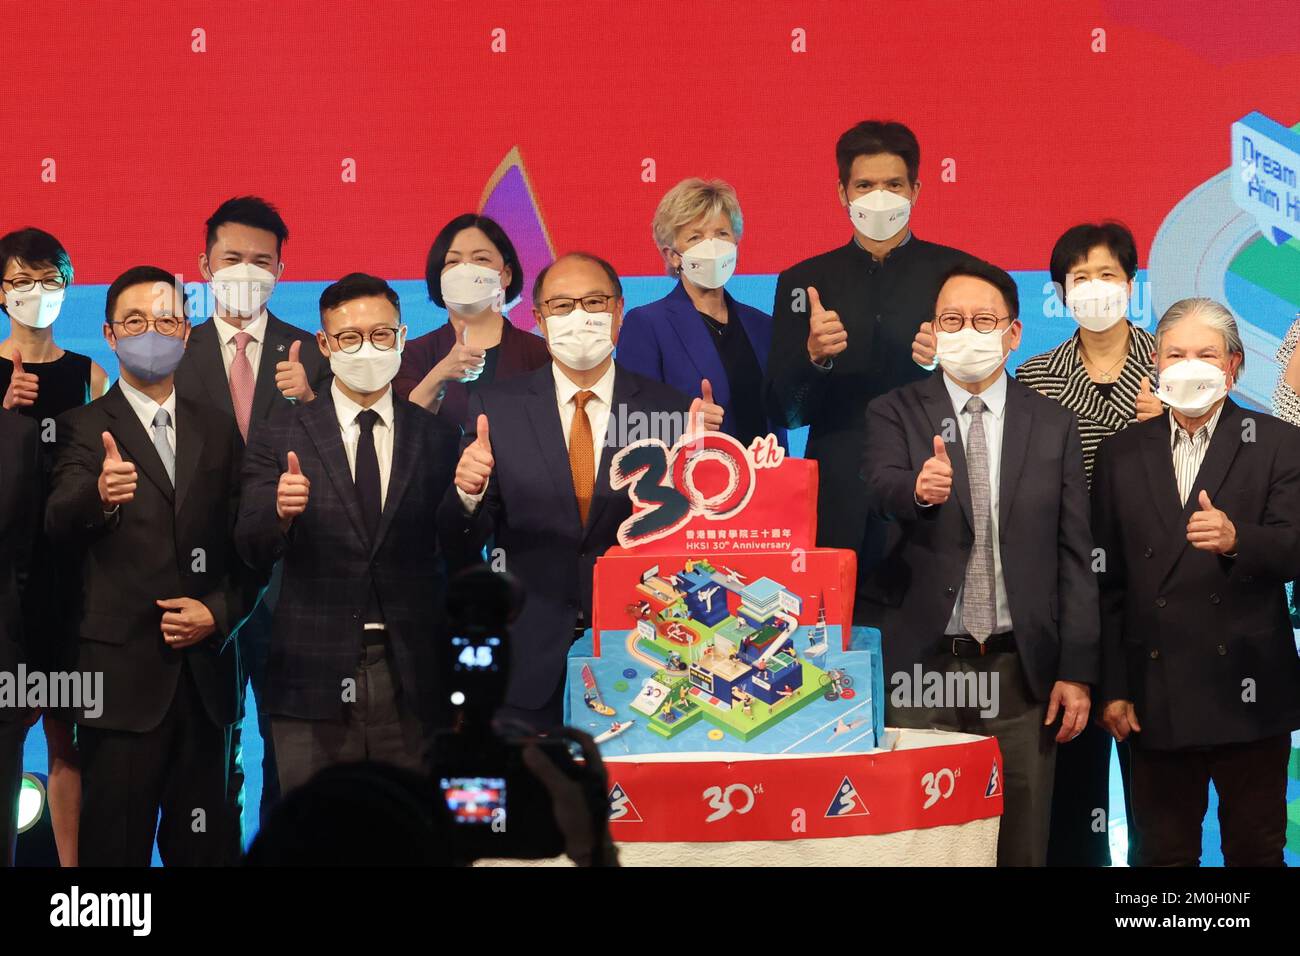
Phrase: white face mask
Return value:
(1097, 304)
(1191, 386)
(880, 214)
(368, 369)
(581, 340)
(36, 308)
(710, 263)
(242, 289)
(969, 356)
(469, 289)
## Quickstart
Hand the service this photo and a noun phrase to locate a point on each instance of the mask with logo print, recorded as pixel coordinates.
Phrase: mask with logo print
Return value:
(880, 214)
(1192, 386)
(469, 289)
(581, 340)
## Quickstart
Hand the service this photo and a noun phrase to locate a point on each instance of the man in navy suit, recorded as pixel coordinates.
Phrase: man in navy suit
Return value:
(344, 491)
(532, 480)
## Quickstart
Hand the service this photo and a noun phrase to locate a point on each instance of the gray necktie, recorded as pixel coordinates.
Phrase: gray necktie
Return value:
(977, 608)
(160, 422)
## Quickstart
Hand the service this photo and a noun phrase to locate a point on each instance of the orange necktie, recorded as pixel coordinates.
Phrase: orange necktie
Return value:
(582, 454)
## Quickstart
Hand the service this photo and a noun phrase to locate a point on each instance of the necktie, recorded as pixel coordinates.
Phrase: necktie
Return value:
(160, 422)
(241, 383)
(366, 473)
(977, 608)
(581, 454)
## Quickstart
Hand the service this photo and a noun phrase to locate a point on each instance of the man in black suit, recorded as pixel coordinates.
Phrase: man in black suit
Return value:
(146, 485)
(992, 593)
(20, 498)
(843, 321)
(536, 475)
(1197, 515)
(344, 491)
(245, 362)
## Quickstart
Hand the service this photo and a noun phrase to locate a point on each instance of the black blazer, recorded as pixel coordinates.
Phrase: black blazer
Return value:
(330, 564)
(1043, 534)
(531, 509)
(201, 376)
(165, 543)
(20, 516)
(1188, 634)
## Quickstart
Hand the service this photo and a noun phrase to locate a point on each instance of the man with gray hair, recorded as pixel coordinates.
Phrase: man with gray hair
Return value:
(1196, 515)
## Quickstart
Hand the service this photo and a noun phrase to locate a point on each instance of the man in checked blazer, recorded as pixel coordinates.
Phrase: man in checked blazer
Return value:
(344, 490)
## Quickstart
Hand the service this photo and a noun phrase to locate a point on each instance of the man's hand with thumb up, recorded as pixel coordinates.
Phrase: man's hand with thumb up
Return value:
(1148, 406)
(116, 477)
(292, 494)
(934, 481)
(476, 462)
(1210, 530)
(23, 385)
(291, 376)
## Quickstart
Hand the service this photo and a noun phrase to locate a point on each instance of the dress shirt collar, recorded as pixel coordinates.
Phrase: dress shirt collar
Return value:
(348, 410)
(565, 389)
(256, 328)
(145, 407)
(995, 396)
(1176, 429)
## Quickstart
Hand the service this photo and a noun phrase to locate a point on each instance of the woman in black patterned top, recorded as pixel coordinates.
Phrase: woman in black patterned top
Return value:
(1102, 373)
(41, 381)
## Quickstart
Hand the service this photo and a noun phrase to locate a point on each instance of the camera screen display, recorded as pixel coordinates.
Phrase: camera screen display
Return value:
(476, 654)
(474, 799)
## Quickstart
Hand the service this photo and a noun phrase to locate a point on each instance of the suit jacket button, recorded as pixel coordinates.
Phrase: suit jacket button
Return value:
(1223, 651)
(1147, 553)
(1155, 655)
(1161, 602)
(1214, 599)
(950, 591)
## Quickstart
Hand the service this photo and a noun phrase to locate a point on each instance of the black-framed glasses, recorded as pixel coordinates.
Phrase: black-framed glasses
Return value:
(138, 324)
(27, 283)
(563, 304)
(980, 321)
(350, 340)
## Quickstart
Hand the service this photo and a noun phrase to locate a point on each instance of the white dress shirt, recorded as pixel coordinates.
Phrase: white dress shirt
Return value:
(995, 402)
(146, 408)
(347, 412)
(227, 332)
(1189, 451)
(598, 409)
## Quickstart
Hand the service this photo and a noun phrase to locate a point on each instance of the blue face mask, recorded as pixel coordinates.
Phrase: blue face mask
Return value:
(150, 356)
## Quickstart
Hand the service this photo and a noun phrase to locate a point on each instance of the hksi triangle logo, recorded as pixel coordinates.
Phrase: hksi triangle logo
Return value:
(994, 789)
(621, 808)
(847, 802)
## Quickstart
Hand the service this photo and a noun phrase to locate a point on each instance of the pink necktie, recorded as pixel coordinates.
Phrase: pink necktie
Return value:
(241, 383)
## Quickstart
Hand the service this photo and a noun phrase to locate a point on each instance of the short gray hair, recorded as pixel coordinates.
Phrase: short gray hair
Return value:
(692, 199)
(1214, 314)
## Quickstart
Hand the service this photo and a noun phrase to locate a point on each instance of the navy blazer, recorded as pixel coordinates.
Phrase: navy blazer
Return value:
(531, 509)
(666, 340)
(331, 564)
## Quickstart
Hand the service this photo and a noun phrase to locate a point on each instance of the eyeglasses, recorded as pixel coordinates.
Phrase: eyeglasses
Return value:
(27, 283)
(563, 305)
(138, 324)
(350, 340)
(980, 321)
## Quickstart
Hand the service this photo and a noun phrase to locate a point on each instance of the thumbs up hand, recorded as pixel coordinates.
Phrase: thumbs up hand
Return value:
(924, 346)
(934, 480)
(1210, 530)
(476, 462)
(23, 386)
(1148, 406)
(291, 376)
(463, 363)
(292, 493)
(705, 414)
(826, 335)
(116, 477)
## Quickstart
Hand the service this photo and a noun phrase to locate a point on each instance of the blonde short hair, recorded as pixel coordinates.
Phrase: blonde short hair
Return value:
(693, 199)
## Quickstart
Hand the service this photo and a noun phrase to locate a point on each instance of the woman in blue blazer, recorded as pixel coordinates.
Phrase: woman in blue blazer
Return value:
(698, 331)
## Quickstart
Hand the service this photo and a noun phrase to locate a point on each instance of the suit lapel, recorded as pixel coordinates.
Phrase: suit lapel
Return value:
(406, 452)
(207, 362)
(321, 422)
(943, 422)
(134, 442)
(275, 349)
(625, 390)
(1017, 423)
(549, 432)
(189, 448)
(697, 345)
